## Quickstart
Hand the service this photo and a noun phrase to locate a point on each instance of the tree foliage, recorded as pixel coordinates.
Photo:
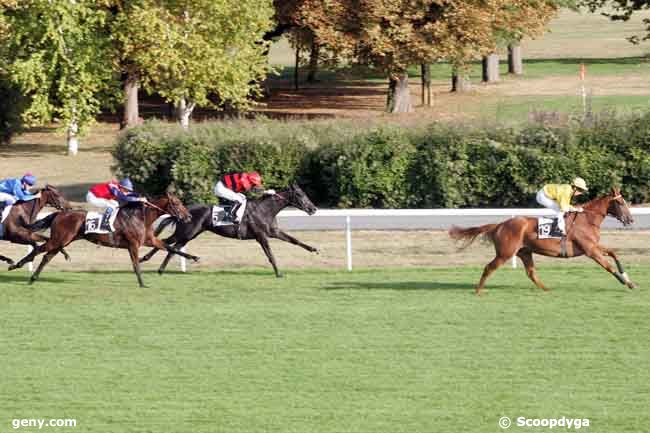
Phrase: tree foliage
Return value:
(196, 48)
(621, 10)
(58, 53)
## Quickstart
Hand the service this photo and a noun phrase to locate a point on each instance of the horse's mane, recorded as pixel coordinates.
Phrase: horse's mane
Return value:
(595, 202)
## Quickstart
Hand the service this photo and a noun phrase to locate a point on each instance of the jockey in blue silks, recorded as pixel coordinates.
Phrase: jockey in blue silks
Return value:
(12, 190)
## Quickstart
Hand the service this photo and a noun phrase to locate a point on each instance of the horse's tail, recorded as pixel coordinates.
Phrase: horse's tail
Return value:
(42, 224)
(471, 233)
(164, 224)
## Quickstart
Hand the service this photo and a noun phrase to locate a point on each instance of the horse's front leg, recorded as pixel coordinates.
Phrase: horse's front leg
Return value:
(133, 253)
(597, 255)
(619, 265)
(283, 236)
(264, 243)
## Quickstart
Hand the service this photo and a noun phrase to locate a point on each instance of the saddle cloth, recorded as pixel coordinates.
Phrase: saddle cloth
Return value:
(94, 220)
(547, 228)
(5, 213)
(221, 214)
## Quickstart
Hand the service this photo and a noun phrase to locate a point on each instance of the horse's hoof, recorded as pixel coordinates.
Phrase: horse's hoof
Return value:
(279, 275)
(31, 281)
(142, 260)
(631, 285)
(160, 271)
(315, 250)
(196, 259)
(12, 267)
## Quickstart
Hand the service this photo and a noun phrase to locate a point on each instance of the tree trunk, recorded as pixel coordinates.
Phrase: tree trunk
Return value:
(131, 112)
(184, 111)
(296, 71)
(515, 63)
(491, 68)
(399, 95)
(313, 62)
(73, 140)
(426, 84)
(460, 81)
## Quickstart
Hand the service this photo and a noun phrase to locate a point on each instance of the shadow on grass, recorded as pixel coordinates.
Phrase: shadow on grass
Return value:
(12, 278)
(403, 285)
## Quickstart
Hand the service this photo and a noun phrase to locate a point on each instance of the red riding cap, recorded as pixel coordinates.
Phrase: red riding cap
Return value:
(254, 178)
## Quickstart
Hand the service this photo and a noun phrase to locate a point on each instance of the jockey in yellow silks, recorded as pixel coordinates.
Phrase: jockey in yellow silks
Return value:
(558, 197)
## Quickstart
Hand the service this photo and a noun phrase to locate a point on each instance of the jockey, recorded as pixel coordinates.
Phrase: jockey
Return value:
(109, 195)
(231, 186)
(558, 198)
(12, 190)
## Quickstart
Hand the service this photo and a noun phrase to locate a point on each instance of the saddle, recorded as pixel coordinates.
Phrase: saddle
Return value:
(224, 214)
(547, 228)
(4, 212)
(100, 222)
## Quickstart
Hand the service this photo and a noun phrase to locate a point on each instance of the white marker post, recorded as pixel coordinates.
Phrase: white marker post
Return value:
(183, 262)
(348, 241)
(583, 72)
(30, 265)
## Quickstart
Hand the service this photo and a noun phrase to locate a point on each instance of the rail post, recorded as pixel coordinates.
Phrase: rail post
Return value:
(348, 241)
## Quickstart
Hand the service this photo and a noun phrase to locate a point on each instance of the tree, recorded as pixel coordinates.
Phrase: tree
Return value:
(197, 52)
(391, 35)
(621, 10)
(58, 54)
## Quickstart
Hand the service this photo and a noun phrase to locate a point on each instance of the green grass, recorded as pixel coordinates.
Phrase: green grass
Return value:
(519, 108)
(403, 350)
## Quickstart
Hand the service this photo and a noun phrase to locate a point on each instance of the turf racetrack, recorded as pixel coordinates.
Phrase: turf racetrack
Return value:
(404, 350)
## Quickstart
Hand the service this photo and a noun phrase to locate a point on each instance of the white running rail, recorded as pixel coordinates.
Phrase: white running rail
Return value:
(347, 218)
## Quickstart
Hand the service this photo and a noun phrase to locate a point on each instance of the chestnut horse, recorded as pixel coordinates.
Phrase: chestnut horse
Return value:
(25, 212)
(519, 236)
(133, 229)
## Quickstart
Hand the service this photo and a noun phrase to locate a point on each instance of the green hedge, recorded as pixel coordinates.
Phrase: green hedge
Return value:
(340, 164)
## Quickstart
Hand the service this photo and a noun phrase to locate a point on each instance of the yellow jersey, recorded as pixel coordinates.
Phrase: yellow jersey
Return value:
(561, 193)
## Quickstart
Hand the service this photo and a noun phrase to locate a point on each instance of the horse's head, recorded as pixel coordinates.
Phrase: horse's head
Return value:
(297, 198)
(176, 209)
(54, 198)
(618, 207)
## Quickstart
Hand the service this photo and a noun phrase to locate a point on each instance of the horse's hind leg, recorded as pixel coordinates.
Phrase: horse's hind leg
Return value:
(6, 260)
(149, 255)
(46, 259)
(526, 257)
(165, 262)
(488, 270)
(133, 252)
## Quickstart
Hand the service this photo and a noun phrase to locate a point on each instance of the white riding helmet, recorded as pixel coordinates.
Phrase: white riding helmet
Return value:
(579, 183)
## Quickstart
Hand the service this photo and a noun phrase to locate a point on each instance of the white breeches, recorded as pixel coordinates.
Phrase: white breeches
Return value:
(7, 198)
(220, 190)
(545, 201)
(101, 202)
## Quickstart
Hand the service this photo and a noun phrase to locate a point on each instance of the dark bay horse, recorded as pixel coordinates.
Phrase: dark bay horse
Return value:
(133, 229)
(259, 223)
(24, 213)
(519, 236)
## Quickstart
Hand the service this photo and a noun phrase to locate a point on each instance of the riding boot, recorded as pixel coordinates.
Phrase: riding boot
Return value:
(233, 212)
(106, 220)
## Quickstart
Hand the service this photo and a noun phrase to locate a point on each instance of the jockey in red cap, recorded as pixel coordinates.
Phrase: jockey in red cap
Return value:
(231, 186)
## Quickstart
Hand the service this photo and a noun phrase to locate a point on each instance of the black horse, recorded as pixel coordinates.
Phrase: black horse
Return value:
(258, 223)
